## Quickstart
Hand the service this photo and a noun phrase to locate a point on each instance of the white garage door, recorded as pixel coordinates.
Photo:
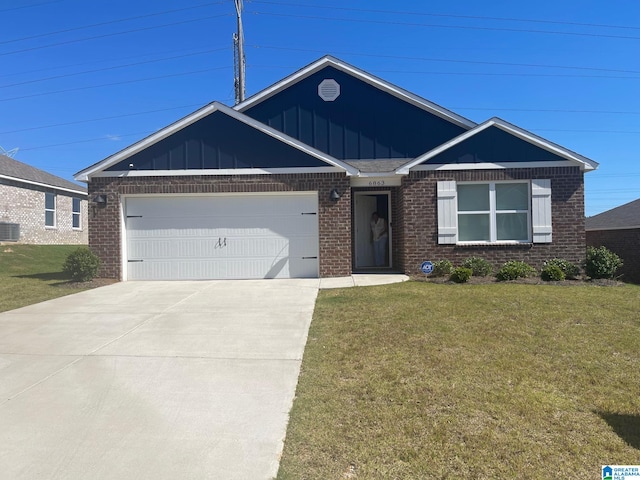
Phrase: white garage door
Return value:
(222, 236)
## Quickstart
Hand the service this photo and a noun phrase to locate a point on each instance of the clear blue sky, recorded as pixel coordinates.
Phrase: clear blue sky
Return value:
(81, 80)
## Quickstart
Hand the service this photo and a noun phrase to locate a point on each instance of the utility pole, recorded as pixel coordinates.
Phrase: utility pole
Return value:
(238, 56)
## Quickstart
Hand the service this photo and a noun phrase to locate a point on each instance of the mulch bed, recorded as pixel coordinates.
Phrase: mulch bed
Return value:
(601, 282)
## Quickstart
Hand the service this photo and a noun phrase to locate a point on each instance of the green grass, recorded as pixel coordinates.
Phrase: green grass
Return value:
(417, 380)
(33, 273)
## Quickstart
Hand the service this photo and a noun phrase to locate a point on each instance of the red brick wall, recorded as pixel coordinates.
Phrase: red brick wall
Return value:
(624, 243)
(334, 217)
(418, 205)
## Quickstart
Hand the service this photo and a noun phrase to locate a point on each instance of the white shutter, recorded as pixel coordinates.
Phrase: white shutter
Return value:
(541, 210)
(447, 213)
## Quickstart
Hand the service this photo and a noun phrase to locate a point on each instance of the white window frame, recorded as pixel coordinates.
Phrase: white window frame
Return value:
(493, 212)
(55, 205)
(77, 214)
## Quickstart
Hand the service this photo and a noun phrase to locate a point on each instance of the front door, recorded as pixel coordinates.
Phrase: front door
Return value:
(365, 204)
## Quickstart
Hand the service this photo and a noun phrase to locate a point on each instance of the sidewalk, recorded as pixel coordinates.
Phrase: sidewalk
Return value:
(362, 280)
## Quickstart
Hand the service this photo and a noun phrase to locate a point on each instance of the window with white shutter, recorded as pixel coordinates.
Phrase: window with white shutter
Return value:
(494, 212)
(541, 210)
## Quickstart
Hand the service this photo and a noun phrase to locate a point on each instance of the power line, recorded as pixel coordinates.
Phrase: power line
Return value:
(477, 74)
(447, 60)
(114, 83)
(457, 27)
(29, 6)
(26, 82)
(551, 110)
(112, 117)
(119, 58)
(77, 40)
(110, 22)
(442, 15)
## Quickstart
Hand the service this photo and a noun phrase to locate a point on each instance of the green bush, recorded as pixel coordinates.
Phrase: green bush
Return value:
(570, 270)
(552, 272)
(479, 266)
(442, 268)
(81, 265)
(515, 269)
(601, 262)
(461, 274)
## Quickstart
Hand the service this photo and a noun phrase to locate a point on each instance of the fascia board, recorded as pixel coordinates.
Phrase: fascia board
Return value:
(84, 175)
(584, 163)
(45, 185)
(596, 229)
(215, 172)
(377, 82)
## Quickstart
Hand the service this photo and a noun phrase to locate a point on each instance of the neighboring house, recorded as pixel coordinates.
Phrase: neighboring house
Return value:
(284, 185)
(618, 229)
(40, 208)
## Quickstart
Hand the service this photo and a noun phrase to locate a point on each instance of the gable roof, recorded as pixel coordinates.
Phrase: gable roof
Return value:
(618, 218)
(379, 83)
(11, 169)
(154, 138)
(584, 163)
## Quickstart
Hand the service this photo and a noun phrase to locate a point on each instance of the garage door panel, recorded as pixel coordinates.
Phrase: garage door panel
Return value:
(261, 236)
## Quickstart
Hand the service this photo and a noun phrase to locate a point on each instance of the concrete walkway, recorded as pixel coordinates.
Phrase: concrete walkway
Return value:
(155, 380)
(362, 280)
(152, 380)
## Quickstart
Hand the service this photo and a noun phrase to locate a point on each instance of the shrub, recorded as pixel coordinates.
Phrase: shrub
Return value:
(81, 265)
(442, 268)
(479, 266)
(570, 270)
(601, 262)
(552, 272)
(514, 269)
(461, 274)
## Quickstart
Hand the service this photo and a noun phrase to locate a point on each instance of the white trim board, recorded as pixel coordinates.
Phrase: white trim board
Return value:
(215, 172)
(490, 166)
(45, 185)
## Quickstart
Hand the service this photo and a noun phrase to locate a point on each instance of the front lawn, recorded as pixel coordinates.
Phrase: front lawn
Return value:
(419, 380)
(33, 273)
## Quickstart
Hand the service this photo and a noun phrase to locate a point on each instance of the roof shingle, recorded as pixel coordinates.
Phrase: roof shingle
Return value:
(15, 169)
(624, 216)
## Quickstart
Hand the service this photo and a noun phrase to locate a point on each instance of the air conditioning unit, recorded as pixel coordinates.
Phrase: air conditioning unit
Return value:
(9, 232)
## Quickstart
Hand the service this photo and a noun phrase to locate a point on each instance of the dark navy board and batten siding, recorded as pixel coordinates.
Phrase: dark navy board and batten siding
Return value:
(218, 141)
(364, 122)
(494, 145)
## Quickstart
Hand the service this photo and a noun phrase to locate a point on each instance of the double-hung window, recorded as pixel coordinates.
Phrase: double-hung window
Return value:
(494, 212)
(50, 210)
(75, 214)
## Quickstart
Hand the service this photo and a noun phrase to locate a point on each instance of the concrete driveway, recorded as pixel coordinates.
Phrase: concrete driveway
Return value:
(152, 380)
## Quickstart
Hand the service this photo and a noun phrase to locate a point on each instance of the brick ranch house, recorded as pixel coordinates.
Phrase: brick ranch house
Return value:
(618, 229)
(284, 184)
(37, 207)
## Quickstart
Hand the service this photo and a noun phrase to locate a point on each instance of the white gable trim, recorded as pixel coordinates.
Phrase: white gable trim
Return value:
(573, 158)
(215, 171)
(490, 166)
(87, 173)
(372, 80)
(45, 185)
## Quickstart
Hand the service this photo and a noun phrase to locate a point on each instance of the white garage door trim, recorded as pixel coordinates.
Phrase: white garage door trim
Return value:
(257, 235)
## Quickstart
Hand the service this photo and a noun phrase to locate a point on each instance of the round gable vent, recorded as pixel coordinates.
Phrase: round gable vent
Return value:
(329, 90)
